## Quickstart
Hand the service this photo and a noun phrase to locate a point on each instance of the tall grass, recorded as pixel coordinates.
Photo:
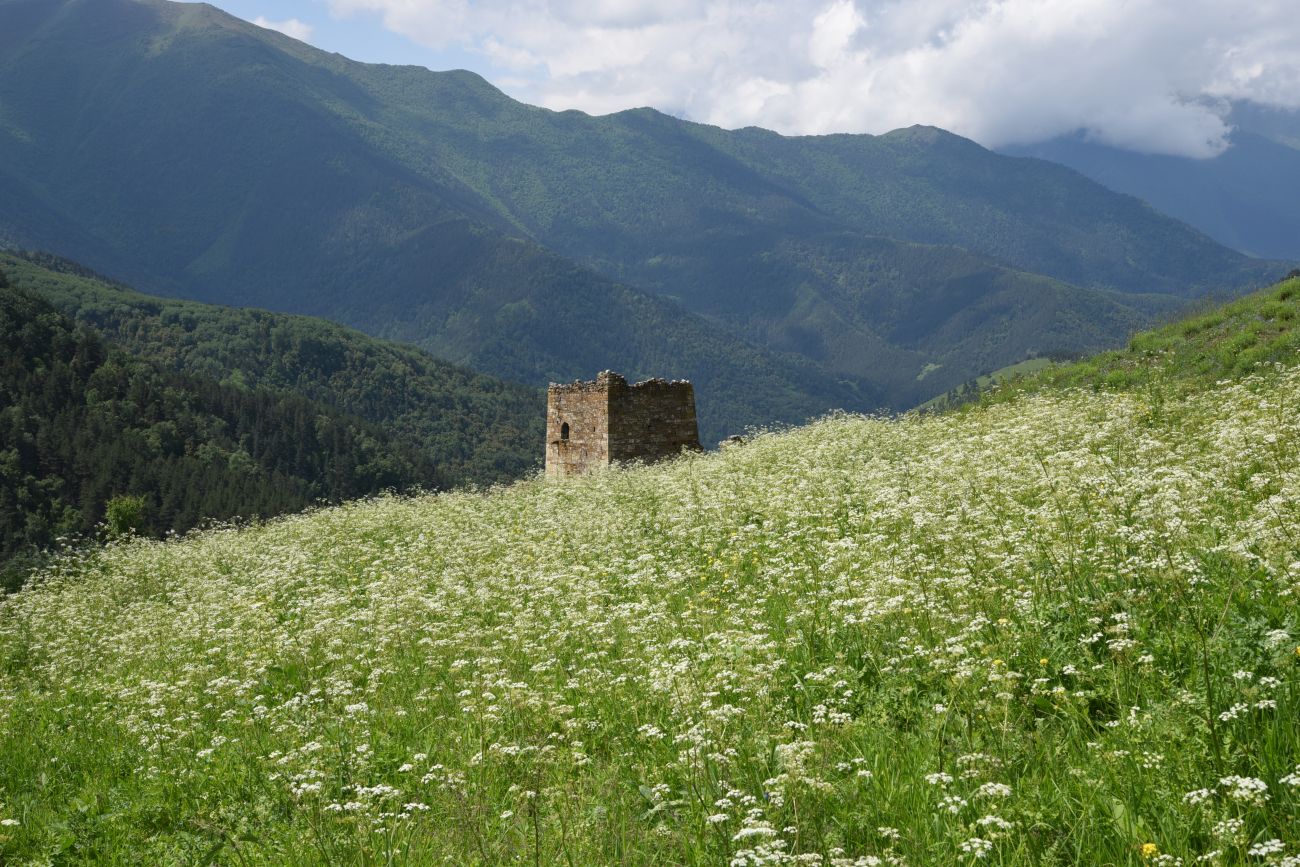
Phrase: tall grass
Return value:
(1062, 630)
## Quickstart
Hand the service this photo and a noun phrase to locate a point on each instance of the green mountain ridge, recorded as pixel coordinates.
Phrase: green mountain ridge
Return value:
(193, 154)
(499, 432)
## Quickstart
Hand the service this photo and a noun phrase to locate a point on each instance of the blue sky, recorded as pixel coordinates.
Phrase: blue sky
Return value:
(1149, 75)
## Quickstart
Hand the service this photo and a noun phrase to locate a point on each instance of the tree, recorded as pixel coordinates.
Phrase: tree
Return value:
(124, 516)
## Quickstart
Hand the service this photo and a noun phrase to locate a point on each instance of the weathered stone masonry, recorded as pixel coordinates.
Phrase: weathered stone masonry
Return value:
(592, 424)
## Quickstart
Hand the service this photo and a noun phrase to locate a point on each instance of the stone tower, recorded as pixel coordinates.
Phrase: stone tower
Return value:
(594, 424)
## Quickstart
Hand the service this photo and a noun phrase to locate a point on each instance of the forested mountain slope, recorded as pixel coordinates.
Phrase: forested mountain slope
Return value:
(476, 429)
(83, 423)
(194, 154)
(1243, 197)
(481, 428)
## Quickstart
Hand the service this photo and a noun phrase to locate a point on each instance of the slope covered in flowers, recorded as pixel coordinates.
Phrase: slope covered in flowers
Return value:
(1058, 630)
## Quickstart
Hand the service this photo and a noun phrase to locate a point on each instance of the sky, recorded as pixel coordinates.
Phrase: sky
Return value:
(1153, 76)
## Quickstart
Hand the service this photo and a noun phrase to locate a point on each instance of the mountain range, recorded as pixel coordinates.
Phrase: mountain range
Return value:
(194, 154)
(1243, 197)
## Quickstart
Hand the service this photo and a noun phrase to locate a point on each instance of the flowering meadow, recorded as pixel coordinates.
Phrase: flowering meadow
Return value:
(1061, 629)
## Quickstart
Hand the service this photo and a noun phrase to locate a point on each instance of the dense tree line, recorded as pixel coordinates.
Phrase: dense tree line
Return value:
(83, 422)
(477, 429)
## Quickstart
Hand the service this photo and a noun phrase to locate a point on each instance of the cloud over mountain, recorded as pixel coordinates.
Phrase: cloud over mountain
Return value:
(291, 27)
(1150, 75)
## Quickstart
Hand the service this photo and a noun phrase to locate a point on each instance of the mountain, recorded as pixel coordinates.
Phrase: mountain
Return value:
(325, 224)
(194, 154)
(1244, 197)
(479, 429)
(1057, 629)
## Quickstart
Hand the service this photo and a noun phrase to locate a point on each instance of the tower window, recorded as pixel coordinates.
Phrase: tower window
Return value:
(564, 431)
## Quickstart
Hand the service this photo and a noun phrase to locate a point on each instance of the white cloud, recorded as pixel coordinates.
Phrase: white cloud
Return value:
(290, 27)
(1144, 74)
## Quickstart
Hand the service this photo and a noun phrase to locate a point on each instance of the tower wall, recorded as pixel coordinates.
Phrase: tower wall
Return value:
(608, 420)
(652, 420)
(584, 407)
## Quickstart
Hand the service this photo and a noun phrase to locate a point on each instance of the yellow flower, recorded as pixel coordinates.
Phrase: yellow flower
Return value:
(1043, 661)
(1150, 850)
(998, 662)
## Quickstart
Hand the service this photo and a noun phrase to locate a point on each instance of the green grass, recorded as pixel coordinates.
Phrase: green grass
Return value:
(1055, 629)
(1223, 342)
(1214, 343)
(985, 381)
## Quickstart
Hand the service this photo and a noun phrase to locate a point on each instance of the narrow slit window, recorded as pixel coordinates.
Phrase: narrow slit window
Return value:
(564, 431)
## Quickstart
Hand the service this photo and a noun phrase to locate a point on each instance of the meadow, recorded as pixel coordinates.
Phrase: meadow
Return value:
(1059, 629)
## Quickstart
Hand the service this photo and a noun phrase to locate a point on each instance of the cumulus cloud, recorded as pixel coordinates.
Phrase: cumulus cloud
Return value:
(290, 27)
(1150, 75)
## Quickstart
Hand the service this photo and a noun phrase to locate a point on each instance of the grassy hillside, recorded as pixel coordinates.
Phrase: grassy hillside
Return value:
(1194, 351)
(475, 429)
(1220, 343)
(433, 208)
(972, 389)
(1059, 629)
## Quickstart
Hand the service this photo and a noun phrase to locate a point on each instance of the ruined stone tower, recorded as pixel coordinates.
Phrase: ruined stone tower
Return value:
(593, 424)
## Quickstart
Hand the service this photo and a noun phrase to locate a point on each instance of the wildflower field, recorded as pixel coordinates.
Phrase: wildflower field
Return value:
(1060, 629)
